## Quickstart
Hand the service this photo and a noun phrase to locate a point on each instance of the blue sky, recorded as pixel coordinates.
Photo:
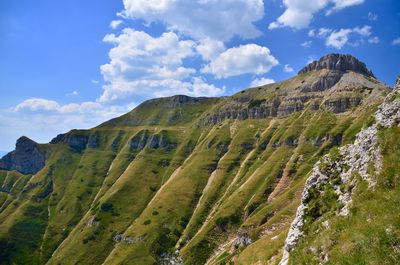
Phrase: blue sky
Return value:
(73, 64)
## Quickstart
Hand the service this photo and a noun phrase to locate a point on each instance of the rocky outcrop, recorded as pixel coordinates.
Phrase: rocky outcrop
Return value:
(74, 139)
(338, 62)
(242, 240)
(242, 111)
(338, 172)
(93, 141)
(139, 141)
(27, 158)
(145, 139)
(170, 259)
(120, 238)
(342, 104)
(323, 83)
(161, 140)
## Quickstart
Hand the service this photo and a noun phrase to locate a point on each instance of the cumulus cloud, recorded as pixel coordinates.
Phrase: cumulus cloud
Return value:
(299, 13)
(261, 81)
(215, 19)
(41, 105)
(37, 104)
(115, 24)
(244, 59)
(209, 49)
(149, 66)
(396, 41)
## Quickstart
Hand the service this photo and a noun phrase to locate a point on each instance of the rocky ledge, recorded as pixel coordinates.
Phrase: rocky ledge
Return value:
(338, 62)
(27, 157)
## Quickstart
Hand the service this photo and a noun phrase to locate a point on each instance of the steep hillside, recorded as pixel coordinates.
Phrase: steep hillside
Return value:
(211, 180)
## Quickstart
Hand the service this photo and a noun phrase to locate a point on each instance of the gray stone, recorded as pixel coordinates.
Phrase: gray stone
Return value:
(27, 158)
(338, 62)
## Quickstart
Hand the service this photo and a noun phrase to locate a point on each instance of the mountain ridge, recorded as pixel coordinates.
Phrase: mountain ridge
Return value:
(182, 180)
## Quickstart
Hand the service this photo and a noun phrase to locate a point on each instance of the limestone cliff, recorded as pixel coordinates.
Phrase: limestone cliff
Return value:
(27, 157)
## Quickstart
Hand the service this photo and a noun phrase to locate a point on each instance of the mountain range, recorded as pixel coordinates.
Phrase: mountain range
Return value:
(303, 171)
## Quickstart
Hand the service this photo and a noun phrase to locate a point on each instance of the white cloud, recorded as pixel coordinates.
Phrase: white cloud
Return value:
(245, 59)
(288, 69)
(115, 24)
(72, 94)
(149, 66)
(341, 4)
(93, 81)
(323, 32)
(306, 44)
(137, 54)
(337, 39)
(372, 16)
(41, 105)
(374, 40)
(396, 41)
(37, 104)
(215, 19)
(209, 49)
(261, 81)
(299, 13)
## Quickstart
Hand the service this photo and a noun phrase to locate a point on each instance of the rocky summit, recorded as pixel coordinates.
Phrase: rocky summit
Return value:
(303, 171)
(338, 62)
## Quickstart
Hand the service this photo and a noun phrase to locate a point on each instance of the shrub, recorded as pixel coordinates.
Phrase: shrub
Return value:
(106, 207)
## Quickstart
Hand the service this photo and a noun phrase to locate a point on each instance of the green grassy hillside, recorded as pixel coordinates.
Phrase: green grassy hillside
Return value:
(216, 179)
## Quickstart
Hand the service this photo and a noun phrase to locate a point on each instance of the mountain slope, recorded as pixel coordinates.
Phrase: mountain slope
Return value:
(218, 179)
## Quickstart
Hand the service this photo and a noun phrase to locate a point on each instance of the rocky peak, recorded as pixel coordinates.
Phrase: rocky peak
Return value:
(24, 143)
(27, 157)
(338, 62)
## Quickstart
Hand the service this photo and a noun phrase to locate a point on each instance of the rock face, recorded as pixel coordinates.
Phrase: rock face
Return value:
(27, 158)
(338, 172)
(338, 62)
(243, 240)
(78, 140)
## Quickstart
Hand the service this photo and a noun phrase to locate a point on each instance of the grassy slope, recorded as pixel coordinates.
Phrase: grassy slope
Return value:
(196, 195)
(371, 232)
